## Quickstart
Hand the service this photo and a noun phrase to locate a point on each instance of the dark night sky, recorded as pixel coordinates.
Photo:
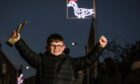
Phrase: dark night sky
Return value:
(116, 19)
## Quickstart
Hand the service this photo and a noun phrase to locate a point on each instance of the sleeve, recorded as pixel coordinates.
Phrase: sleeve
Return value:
(26, 53)
(86, 61)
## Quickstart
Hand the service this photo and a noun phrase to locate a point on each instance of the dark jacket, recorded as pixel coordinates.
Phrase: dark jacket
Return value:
(56, 69)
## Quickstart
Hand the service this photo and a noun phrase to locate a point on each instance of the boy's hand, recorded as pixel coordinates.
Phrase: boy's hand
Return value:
(14, 38)
(102, 41)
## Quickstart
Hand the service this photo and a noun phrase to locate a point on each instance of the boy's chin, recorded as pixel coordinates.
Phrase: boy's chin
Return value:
(57, 54)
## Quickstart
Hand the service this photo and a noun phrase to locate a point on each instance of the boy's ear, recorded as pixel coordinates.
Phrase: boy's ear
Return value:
(64, 47)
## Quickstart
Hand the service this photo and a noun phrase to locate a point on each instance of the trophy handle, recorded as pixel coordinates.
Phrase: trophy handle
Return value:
(19, 28)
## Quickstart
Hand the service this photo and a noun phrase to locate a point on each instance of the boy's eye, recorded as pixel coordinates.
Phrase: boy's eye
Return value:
(56, 45)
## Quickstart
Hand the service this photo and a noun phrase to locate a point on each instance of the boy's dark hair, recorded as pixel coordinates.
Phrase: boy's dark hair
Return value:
(54, 37)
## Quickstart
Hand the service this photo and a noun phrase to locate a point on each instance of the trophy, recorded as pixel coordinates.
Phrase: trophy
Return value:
(12, 41)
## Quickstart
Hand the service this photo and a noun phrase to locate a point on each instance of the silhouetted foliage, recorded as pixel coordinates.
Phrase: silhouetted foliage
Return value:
(124, 56)
(120, 53)
(133, 52)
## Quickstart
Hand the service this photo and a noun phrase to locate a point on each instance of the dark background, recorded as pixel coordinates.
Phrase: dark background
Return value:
(116, 19)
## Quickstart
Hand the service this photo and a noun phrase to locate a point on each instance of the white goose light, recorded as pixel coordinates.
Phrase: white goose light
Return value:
(80, 12)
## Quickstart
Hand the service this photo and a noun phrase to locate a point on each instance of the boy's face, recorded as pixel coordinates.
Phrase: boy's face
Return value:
(57, 47)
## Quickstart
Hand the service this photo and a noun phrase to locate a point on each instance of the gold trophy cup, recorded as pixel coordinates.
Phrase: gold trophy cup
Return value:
(12, 41)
